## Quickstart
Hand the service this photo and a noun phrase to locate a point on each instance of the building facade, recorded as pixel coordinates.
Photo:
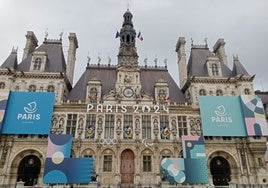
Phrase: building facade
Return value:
(126, 116)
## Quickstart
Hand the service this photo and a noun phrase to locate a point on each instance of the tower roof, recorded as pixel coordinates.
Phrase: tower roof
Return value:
(55, 57)
(238, 68)
(11, 61)
(197, 62)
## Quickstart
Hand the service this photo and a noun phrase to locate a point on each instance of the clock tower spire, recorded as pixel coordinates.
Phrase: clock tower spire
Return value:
(127, 55)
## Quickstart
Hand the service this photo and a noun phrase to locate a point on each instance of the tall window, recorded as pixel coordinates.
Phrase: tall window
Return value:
(146, 126)
(162, 96)
(107, 163)
(164, 127)
(215, 69)
(50, 88)
(109, 126)
(93, 95)
(37, 64)
(2, 85)
(32, 88)
(182, 125)
(128, 126)
(71, 124)
(90, 126)
(147, 163)
(202, 92)
(219, 92)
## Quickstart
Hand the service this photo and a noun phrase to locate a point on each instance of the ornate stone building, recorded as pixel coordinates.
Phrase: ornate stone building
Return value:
(127, 116)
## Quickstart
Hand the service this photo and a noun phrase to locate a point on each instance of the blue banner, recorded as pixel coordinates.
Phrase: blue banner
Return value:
(222, 116)
(3, 104)
(28, 113)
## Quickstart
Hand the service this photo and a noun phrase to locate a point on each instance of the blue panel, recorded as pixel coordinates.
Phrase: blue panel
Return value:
(28, 113)
(70, 170)
(3, 104)
(59, 143)
(196, 171)
(222, 116)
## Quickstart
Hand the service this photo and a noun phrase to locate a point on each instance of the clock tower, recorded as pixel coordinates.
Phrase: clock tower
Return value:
(128, 84)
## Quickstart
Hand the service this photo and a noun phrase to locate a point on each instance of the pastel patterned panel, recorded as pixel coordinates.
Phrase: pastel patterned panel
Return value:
(60, 168)
(254, 115)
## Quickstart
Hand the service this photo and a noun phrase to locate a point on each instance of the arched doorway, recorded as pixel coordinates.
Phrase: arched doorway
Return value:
(127, 167)
(220, 171)
(29, 170)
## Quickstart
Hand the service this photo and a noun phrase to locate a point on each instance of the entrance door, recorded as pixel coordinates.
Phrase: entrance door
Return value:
(220, 170)
(29, 170)
(127, 167)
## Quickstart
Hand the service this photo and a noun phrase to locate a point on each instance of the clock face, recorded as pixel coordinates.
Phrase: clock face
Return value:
(128, 92)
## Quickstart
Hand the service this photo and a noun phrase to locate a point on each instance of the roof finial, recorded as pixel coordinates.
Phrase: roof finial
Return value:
(192, 41)
(145, 62)
(46, 34)
(127, 4)
(109, 60)
(99, 59)
(88, 59)
(61, 33)
(165, 62)
(155, 61)
(206, 41)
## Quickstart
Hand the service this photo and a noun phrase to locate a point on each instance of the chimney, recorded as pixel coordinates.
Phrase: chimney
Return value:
(31, 44)
(219, 50)
(73, 45)
(180, 49)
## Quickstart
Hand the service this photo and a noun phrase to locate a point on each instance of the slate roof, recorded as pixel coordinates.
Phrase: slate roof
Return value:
(263, 96)
(197, 64)
(238, 68)
(107, 76)
(12, 61)
(55, 57)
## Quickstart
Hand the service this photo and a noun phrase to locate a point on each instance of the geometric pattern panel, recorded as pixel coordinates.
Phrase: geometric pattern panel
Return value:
(190, 169)
(60, 168)
(254, 115)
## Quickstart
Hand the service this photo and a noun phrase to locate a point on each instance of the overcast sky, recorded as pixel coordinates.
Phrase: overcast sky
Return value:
(242, 23)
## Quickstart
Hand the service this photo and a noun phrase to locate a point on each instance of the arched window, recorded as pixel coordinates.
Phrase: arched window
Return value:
(32, 88)
(215, 69)
(2, 85)
(247, 91)
(50, 88)
(37, 64)
(128, 38)
(29, 170)
(219, 92)
(220, 171)
(202, 92)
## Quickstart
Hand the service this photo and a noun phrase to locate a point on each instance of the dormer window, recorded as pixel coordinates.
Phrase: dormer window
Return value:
(39, 60)
(215, 69)
(50, 88)
(32, 88)
(2, 85)
(37, 64)
(93, 95)
(162, 96)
